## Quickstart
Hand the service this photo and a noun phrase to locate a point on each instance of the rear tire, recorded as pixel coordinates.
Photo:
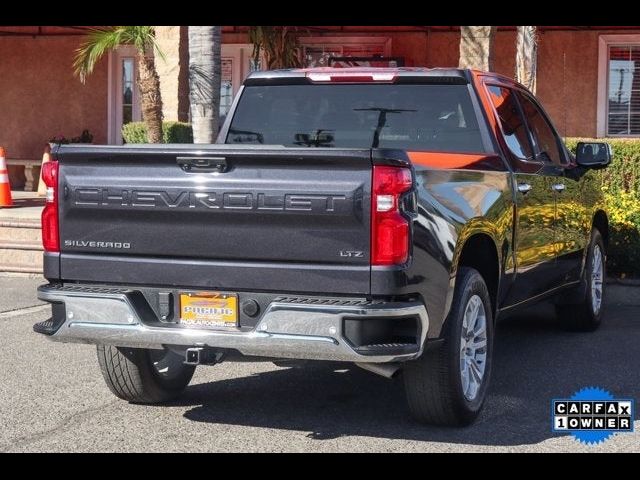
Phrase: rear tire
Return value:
(586, 316)
(143, 376)
(439, 385)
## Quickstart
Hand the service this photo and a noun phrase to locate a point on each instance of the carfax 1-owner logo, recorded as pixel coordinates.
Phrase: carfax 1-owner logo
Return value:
(592, 415)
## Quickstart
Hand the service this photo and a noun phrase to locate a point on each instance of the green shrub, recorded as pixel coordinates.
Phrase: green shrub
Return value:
(621, 189)
(172, 132)
(177, 132)
(134, 132)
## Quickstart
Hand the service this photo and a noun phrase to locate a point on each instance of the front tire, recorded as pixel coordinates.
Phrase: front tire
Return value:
(586, 316)
(447, 385)
(143, 376)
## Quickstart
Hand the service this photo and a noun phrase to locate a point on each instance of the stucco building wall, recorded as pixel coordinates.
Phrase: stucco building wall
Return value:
(40, 97)
(568, 79)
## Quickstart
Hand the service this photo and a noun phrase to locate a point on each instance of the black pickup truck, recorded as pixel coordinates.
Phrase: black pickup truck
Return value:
(385, 217)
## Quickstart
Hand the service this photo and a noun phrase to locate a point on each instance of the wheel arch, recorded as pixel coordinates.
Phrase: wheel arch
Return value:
(601, 222)
(479, 250)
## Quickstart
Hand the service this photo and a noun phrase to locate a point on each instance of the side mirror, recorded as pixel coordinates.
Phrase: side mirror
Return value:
(593, 154)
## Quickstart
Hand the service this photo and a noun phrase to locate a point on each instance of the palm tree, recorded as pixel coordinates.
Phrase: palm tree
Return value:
(102, 40)
(476, 47)
(204, 81)
(278, 45)
(526, 57)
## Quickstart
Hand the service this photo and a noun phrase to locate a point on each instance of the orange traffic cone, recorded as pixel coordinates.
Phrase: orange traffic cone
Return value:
(5, 187)
(46, 157)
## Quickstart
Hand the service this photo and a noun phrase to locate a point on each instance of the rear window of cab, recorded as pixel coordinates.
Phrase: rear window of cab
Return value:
(429, 117)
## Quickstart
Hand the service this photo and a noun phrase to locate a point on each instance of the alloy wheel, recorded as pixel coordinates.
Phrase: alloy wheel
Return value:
(597, 277)
(473, 347)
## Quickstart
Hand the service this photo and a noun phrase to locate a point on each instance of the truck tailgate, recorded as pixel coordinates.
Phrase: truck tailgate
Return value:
(217, 216)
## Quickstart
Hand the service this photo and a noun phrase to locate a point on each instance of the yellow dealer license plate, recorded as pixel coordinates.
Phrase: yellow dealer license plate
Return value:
(209, 309)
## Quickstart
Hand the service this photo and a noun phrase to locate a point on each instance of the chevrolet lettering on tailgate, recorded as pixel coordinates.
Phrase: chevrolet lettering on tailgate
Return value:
(317, 203)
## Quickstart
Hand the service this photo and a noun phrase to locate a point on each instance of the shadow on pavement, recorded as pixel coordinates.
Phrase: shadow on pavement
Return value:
(534, 362)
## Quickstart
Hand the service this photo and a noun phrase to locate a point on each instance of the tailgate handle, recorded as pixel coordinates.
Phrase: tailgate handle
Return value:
(203, 164)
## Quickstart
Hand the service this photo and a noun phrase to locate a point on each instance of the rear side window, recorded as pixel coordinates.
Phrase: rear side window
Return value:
(414, 117)
(513, 125)
(545, 141)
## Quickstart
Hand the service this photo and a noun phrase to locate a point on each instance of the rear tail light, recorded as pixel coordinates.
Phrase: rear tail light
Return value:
(50, 230)
(389, 229)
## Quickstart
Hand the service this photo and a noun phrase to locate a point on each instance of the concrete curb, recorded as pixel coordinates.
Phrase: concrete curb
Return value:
(22, 275)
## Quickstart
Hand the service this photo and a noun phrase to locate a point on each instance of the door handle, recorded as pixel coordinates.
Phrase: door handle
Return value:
(524, 187)
(558, 187)
(203, 164)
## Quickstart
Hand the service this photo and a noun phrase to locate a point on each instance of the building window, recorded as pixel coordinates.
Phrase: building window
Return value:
(317, 51)
(226, 85)
(623, 92)
(127, 90)
(237, 63)
(619, 86)
(123, 95)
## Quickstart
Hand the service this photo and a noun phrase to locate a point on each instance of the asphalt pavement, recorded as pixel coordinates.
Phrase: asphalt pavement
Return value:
(53, 398)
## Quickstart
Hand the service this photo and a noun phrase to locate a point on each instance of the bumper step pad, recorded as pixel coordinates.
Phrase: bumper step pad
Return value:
(48, 327)
(388, 349)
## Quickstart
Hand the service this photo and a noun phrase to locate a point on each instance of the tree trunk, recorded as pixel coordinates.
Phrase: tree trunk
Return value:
(204, 81)
(526, 57)
(476, 47)
(150, 98)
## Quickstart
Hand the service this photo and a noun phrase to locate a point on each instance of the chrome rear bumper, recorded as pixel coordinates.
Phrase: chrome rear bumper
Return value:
(115, 316)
